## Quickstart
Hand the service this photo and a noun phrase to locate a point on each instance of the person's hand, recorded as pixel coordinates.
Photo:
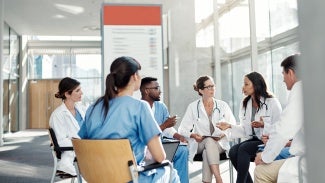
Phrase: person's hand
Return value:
(288, 144)
(197, 137)
(183, 139)
(258, 159)
(223, 125)
(218, 138)
(180, 137)
(170, 122)
(265, 138)
(258, 124)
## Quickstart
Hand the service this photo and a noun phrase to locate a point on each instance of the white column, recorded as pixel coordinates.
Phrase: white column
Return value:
(1, 62)
(312, 43)
(216, 51)
(252, 24)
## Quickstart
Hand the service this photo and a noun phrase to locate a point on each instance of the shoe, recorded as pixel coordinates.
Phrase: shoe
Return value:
(59, 172)
(64, 175)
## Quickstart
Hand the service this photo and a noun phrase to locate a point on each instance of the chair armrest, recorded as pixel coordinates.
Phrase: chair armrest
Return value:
(63, 148)
(153, 166)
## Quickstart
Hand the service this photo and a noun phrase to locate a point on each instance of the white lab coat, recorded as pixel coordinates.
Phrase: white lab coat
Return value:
(66, 127)
(197, 119)
(271, 108)
(289, 125)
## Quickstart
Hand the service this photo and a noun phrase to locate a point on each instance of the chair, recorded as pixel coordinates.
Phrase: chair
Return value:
(56, 153)
(108, 160)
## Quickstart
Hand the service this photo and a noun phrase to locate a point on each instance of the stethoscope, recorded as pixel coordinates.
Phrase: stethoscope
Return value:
(198, 111)
(266, 107)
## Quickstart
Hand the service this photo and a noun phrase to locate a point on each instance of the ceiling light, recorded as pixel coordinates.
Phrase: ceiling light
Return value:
(90, 28)
(59, 16)
(70, 9)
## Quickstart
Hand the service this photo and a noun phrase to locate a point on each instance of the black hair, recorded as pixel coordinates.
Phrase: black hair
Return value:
(67, 84)
(121, 70)
(145, 81)
(290, 63)
(260, 89)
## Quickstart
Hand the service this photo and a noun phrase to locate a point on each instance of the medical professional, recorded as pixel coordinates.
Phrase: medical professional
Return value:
(257, 110)
(199, 126)
(66, 121)
(150, 92)
(290, 124)
(118, 115)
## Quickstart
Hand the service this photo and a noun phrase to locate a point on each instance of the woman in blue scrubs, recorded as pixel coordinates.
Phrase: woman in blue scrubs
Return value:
(118, 115)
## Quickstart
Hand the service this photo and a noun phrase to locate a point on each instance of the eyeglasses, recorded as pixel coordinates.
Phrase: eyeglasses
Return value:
(209, 87)
(154, 88)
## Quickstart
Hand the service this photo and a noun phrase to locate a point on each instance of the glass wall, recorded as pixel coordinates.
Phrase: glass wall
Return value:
(239, 69)
(276, 38)
(10, 79)
(86, 68)
(234, 31)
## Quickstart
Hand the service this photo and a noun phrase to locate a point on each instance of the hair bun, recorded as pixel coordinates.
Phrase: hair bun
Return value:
(195, 88)
(57, 95)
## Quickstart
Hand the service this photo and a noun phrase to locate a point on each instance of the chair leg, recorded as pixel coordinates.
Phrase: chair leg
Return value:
(231, 172)
(54, 167)
(79, 178)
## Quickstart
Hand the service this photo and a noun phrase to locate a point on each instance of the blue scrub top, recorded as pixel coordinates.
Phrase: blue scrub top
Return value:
(127, 117)
(79, 118)
(161, 112)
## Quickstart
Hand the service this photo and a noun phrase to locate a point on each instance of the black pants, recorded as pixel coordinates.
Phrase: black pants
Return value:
(240, 156)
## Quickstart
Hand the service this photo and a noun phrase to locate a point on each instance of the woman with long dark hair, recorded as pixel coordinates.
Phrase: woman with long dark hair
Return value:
(118, 115)
(257, 110)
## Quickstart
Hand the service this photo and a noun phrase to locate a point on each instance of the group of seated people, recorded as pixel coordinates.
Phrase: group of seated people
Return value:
(270, 137)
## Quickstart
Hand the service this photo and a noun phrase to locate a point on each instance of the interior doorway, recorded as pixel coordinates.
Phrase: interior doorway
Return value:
(42, 102)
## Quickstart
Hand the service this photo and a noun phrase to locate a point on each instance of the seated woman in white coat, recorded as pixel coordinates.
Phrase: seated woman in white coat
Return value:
(199, 126)
(67, 119)
(259, 109)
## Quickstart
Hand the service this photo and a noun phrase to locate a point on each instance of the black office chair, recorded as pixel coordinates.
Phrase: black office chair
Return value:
(56, 153)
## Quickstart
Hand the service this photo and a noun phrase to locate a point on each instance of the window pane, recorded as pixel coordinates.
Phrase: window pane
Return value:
(226, 85)
(265, 68)
(262, 12)
(280, 90)
(234, 31)
(240, 69)
(283, 15)
(87, 65)
(91, 89)
(59, 66)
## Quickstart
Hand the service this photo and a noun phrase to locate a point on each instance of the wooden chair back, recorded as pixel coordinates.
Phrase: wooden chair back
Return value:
(102, 161)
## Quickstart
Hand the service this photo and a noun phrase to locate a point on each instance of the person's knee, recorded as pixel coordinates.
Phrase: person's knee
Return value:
(259, 173)
(232, 153)
(209, 141)
(183, 150)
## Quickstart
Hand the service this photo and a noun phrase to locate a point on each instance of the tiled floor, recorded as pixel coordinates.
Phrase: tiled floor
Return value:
(18, 163)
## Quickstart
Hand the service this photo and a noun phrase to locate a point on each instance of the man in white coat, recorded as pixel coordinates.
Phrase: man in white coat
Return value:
(289, 125)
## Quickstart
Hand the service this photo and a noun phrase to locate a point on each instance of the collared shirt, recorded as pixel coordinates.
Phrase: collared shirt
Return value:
(289, 125)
